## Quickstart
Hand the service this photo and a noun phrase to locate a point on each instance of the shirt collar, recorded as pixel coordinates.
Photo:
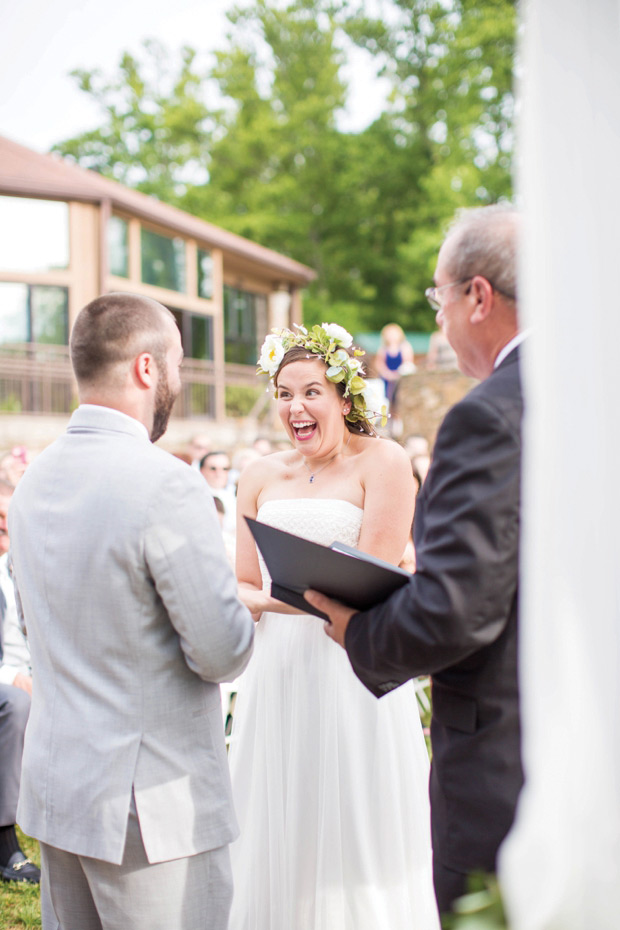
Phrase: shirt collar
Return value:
(514, 342)
(119, 413)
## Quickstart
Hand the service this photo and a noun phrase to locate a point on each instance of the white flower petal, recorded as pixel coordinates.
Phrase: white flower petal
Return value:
(338, 333)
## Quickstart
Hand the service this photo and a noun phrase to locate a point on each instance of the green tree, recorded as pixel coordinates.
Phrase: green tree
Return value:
(281, 173)
(267, 159)
(155, 125)
(450, 117)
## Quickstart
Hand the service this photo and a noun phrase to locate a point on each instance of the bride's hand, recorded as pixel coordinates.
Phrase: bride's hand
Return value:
(254, 600)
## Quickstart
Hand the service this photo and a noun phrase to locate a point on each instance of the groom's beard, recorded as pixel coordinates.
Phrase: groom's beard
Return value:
(164, 401)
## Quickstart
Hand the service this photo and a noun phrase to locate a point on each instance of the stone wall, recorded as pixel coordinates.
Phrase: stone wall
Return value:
(425, 397)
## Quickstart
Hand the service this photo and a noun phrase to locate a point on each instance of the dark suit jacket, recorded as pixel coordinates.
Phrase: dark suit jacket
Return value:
(457, 620)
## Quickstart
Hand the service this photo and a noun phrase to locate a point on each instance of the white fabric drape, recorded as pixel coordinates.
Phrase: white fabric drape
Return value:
(560, 867)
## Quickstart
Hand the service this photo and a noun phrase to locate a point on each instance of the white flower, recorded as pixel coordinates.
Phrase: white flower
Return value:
(338, 334)
(373, 395)
(271, 354)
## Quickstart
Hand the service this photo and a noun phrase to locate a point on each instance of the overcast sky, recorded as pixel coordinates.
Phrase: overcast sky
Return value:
(41, 41)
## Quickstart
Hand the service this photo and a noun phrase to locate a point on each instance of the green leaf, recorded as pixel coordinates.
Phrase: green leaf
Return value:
(357, 385)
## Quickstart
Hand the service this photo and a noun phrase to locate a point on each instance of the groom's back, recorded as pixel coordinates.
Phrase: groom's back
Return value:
(98, 518)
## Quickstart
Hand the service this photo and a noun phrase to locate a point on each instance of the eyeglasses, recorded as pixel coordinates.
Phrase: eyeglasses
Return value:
(431, 293)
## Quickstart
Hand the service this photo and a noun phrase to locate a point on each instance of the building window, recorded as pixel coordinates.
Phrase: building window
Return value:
(118, 246)
(202, 337)
(163, 261)
(205, 274)
(196, 335)
(34, 234)
(197, 397)
(33, 313)
(245, 322)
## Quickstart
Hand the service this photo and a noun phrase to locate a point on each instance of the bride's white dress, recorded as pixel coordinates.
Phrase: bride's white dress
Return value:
(330, 784)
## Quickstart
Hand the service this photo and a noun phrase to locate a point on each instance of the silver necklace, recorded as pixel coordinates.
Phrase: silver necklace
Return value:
(313, 474)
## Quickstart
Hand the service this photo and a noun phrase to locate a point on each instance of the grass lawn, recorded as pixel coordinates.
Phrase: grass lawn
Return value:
(19, 902)
(20, 908)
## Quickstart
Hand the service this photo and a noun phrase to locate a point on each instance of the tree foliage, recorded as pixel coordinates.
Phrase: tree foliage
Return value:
(254, 143)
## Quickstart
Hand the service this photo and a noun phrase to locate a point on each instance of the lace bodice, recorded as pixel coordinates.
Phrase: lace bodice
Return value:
(322, 520)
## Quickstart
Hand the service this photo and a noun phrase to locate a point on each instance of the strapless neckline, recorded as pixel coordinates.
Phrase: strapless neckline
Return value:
(313, 500)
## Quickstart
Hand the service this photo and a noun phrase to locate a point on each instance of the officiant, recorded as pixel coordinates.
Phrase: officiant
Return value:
(456, 619)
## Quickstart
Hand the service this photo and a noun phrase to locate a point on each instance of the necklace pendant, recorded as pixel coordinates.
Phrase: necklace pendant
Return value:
(310, 479)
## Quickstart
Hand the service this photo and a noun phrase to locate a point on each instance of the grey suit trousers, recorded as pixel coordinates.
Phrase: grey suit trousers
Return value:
(80, 893)
(14, 710)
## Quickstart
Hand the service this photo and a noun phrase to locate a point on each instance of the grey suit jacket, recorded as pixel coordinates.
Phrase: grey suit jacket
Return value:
(132, 618)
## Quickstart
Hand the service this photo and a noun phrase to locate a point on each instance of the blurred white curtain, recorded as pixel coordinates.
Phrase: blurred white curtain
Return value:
(560, 867)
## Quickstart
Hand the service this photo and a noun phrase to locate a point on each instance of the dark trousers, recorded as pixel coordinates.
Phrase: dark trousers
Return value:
(449, 885)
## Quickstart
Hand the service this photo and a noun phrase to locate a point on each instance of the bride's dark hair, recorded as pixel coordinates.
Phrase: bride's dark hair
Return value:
(299, 353)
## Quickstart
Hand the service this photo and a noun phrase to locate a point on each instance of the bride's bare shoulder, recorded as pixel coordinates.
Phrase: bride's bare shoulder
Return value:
(380, 451)
(267, 468)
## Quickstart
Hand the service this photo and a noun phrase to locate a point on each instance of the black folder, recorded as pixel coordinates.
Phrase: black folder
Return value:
(339, 571)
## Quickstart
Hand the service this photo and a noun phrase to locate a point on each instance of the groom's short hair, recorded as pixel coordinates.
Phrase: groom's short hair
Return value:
(115, 328)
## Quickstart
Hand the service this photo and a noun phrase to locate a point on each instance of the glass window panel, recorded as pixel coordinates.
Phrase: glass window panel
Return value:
(241, 326)
(49, 315)
(163, 261)
(34, 234)
(118, 246)
(13, 313)
(205, 274)
(201, 338)
(230, 322)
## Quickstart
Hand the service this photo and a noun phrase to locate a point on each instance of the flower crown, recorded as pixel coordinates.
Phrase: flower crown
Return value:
(328, 341)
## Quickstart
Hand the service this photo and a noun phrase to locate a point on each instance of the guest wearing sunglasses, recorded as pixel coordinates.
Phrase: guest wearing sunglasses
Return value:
(215, 469)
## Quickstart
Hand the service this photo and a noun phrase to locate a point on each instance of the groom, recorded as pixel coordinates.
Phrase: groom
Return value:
(457, 617)
(132, 616)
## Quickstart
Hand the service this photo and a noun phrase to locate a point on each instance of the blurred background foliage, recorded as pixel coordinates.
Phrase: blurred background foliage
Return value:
(255, 143)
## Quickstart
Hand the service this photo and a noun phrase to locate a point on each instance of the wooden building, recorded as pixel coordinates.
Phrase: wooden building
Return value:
(68, 235)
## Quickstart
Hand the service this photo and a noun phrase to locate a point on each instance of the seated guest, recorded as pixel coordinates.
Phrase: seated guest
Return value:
(197, 448)
(215, 469)
(263, 446)
(13, 464)
(15, 690)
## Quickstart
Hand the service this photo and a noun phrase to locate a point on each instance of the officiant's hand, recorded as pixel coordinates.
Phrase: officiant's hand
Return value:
(339, 615)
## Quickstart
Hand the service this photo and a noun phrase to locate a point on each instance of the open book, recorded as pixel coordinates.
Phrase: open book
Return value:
(339, 571)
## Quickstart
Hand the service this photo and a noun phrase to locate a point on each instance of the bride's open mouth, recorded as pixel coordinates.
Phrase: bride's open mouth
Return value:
(303, 429)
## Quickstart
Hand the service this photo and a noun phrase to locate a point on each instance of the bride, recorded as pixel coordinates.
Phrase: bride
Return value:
(330, 784)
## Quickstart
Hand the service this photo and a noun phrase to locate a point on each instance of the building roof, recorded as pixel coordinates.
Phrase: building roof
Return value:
(24, 172)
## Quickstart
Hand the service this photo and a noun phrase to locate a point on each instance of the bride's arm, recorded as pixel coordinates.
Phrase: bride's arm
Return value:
(251, 593)
(389, 500)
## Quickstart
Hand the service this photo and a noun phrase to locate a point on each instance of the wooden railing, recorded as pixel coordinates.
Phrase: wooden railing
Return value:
(38, 379)
(35, 379)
